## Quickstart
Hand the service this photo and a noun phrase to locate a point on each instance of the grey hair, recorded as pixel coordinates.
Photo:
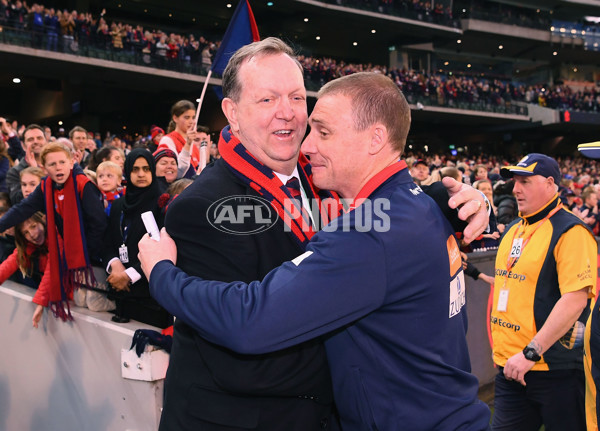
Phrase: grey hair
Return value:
(232, 87)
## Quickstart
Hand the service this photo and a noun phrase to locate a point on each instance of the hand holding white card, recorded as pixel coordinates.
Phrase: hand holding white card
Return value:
(151, 226)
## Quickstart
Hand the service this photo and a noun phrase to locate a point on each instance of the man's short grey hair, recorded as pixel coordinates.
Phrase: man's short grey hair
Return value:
(232, 87)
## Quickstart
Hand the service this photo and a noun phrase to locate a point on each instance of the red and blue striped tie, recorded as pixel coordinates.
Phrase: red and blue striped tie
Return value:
(293, 185)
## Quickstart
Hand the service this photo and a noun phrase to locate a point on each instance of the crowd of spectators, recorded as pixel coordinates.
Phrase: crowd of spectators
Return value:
(107, 165)
(460, 90)
(440, 12)
(33, 160)
(579, 188)
(539, 18)
(81, 32)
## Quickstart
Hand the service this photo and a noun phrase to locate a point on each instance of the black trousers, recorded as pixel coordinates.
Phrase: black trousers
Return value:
(555, 399)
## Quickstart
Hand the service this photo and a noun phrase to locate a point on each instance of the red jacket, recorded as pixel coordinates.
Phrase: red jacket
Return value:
(11, 265)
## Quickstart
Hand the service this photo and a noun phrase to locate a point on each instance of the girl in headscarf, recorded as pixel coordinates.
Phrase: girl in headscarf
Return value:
(125, 229)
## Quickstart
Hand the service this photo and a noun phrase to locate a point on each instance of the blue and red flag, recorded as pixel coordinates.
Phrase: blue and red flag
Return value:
(241, 31)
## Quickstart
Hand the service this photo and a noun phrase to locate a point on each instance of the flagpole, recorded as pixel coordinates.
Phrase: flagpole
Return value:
(203, 149)
(241, 30)
(202, 98)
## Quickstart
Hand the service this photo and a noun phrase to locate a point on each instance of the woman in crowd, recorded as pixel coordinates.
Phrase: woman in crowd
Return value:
(166, 167)
(178, 141)
(125, 229)
(107, 153)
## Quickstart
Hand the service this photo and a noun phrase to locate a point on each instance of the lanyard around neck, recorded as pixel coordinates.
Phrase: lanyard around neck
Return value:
(513, 260)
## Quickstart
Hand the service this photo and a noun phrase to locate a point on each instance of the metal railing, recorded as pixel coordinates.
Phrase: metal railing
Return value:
(133, 53)
(101, 47)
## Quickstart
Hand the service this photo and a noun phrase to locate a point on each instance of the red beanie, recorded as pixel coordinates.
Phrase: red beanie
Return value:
(156, 131)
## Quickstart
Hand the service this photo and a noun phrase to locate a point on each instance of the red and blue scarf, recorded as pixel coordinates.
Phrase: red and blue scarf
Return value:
(69, 261)
(180, 142)
(264, 181)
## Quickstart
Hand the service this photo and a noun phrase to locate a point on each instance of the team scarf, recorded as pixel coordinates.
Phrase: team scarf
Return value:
(70, 266)
(264, 181)
(114, 195)
(179, 142)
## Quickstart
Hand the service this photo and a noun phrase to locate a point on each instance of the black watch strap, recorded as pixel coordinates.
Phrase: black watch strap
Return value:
(531, 354)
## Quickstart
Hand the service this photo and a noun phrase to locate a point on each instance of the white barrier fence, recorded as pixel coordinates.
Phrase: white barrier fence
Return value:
(67, 375)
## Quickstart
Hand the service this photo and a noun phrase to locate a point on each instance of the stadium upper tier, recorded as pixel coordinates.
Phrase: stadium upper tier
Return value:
(126, 44)
(465, 58)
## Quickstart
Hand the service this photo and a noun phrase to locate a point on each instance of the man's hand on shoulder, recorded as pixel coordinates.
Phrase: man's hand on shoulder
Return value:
(471, 207)
(151, 252)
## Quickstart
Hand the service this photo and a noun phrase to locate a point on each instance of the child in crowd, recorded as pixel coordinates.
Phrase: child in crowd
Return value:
(31, 258)
(108, 177)
(31, 177)
(75, 224)
(178, 186)
(172, 192)
(178, 141)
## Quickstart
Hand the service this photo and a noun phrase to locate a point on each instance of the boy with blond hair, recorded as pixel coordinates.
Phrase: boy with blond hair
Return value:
(75, 221)
(108, 178)
(31, 177)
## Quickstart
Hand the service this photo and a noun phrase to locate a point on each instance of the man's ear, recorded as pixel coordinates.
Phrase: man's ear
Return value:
(379, 138)
(229, 108)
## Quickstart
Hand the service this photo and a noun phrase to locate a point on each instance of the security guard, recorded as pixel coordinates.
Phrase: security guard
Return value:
(545, 274)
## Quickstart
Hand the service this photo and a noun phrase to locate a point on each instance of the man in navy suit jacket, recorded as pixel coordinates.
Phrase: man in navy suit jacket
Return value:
(395, 340)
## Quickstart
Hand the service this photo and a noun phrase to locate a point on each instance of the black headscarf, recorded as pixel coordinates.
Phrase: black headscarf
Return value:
(139, 200)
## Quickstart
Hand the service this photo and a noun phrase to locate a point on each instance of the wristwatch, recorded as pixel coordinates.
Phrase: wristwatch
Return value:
(531, 354)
